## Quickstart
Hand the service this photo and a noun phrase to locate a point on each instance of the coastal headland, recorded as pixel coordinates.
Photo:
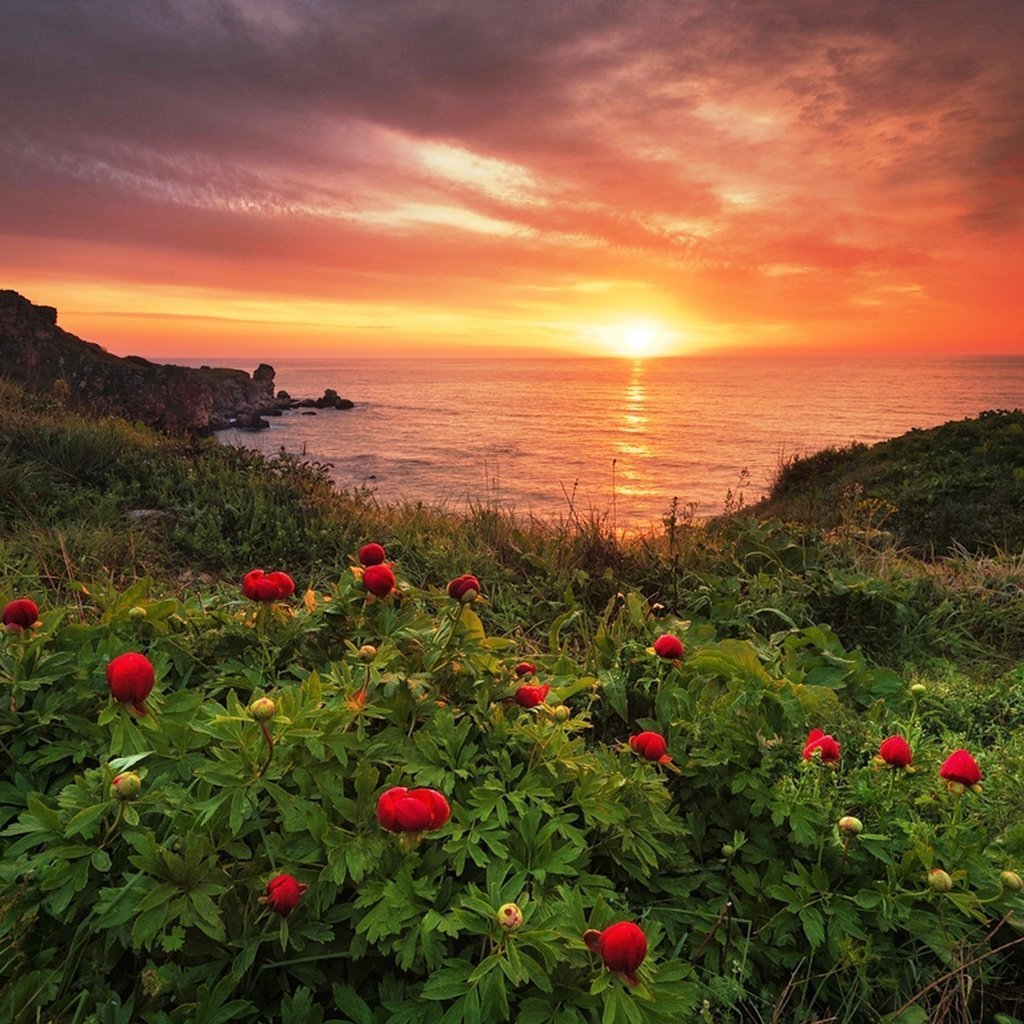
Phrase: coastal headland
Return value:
(81, 375)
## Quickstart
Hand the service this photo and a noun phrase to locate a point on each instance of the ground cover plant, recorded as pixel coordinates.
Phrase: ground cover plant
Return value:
(277, 753)
(360, 805)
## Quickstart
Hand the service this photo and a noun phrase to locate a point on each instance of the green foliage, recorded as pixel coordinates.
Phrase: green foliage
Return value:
(728, 856)
(960, 484)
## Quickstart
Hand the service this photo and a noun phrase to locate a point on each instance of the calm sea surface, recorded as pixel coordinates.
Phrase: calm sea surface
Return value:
(616, 436)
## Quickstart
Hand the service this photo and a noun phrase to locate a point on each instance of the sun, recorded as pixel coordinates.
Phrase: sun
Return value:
(638, 341)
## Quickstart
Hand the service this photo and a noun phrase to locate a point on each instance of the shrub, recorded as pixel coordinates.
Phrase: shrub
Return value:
(727, 857)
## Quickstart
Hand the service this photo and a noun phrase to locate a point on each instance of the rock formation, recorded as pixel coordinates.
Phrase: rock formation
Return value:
(175, 399)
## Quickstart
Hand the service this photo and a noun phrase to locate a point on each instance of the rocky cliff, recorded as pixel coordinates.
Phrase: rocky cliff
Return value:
(175, 399)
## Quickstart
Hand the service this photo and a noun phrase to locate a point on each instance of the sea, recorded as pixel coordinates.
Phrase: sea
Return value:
(622, 439)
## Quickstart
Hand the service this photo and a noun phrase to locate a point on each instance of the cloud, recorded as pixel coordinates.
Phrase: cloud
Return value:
(658, 140)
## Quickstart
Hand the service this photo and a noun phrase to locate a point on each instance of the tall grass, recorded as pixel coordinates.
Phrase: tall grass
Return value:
(91, 499)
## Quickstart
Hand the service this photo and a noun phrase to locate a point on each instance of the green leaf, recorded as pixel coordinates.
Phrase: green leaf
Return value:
(449, 982)
(813, 925)
(351, 1004)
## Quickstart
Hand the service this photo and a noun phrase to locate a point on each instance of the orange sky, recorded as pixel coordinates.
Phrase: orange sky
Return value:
(267, 178)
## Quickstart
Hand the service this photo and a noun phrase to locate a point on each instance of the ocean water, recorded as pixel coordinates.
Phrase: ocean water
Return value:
(619, 437)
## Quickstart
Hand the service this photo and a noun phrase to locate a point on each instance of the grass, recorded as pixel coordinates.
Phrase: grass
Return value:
(821, 590)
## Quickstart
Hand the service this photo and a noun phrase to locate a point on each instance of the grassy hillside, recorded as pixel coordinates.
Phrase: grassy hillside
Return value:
(959, 484)
(141, 854)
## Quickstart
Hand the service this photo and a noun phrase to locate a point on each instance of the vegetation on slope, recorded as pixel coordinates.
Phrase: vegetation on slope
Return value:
(960, 484)
(755, 904)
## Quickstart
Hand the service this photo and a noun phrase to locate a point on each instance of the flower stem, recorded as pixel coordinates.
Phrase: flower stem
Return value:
(270, 749)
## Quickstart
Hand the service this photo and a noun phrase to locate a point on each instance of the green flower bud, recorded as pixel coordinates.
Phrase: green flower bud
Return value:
(367, 652)
(728, 850)
(850, 826)
(939, 880)
(561, 713)
(510, 917)
(1011, 881)
(918, 689)
(126, 786)
(138, 612)
(262, 709)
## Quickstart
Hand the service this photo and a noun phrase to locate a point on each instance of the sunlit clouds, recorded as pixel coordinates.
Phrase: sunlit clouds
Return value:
(359, 177)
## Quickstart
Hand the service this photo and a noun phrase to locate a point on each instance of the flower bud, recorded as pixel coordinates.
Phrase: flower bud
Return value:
(728, 850)
(464, 588)
(262, 709)
(510, 917)
(651, 746)
(283, 894)
(939, 880)
(137, 612)
(367, 652)
(1011, 881)
(561, 713)
(669, 647)
(126, 786)
(622, 946)
(372, 554)
(918, 689)
(130, 678)
(850, 826)
(379, 580)
(20, 614)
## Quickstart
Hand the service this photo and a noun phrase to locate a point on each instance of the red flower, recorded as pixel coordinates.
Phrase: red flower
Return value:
(460, 587)
(20, 614)
(379, 580)
(525, 668)
(130, 678)
(669, 647)
(961, 767)
(531, 696)
(283, 894)
(371, 554)
(412, 810)
(651, 746)
(622, 946)
(260, 586)
(284, 583)
(895, 751)
(827, 746)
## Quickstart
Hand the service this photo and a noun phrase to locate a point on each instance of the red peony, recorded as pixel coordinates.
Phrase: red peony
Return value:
(531, 696)
(651, 746)
(371, 554)
(379, 580)
(895, 751)
(525, 668)
(283, 894)
(412, 810)
(464, 587)
(284, 583)
(622, 946)
(130, 678)
(20, 614)
(260, 586)
(827, 746)
(961, 767)
(669, 647)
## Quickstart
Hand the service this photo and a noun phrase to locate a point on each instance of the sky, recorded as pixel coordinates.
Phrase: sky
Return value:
(409, 177)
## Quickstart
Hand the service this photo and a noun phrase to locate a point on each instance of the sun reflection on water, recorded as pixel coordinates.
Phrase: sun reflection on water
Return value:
(633, 455)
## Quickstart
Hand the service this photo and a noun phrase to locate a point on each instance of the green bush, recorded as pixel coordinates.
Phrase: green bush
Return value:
(728, 855)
